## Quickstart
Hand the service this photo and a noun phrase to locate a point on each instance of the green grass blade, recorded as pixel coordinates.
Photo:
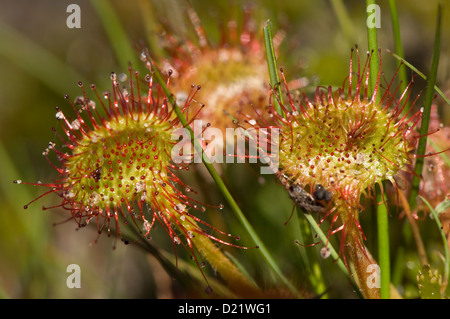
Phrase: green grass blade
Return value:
(312, 264)
(149, 16)
(224, 190)
(382, 213)
(374, 66)
(36, 60)
(309, 256)
(116, 33)
(274, 80)
(421, 148)
(398, 45)
(125, 54)
(334, 253)
(344, 20)
(272, 65)
(423, 76)
(383, 247)
(241, 267)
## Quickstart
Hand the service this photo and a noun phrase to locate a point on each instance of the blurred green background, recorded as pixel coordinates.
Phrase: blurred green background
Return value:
(41, 59)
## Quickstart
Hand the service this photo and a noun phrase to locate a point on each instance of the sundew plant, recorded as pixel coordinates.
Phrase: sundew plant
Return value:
(184, 149)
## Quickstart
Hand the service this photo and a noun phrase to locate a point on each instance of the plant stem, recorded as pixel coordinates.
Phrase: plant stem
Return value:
(125, 54)
(311, 259)
(421, 148)
(37, 61)
(423, 76)
(398, 45)
(363, 262)
(383, 247)
(333, 252)
(373, 49)
(116, 33)
(344, 20)
(224, 190)
(316, 276)
(272, 65)
(382, 213)
(149, 16)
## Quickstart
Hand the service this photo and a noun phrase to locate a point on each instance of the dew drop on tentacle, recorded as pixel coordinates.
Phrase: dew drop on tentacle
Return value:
(59, 115)
(123, 77)
(102, 176)
(325, 252)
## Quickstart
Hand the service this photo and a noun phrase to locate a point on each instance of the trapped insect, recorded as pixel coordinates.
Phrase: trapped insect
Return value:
(304, 199)
(320, 193)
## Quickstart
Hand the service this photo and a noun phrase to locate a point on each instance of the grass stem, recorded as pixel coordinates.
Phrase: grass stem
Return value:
(272, 65)
(224, 190)
(116, 33)
(421, 148)
(382, 213)
(398, 44)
